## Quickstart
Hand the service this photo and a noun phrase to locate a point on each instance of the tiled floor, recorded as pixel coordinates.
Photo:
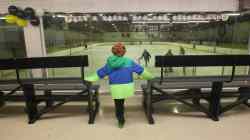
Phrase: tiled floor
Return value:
(173, 122)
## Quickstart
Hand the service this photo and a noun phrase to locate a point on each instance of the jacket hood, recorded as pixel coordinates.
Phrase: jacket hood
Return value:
(116, 62)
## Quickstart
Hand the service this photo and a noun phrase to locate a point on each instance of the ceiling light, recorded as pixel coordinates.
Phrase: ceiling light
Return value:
(199, 21)
(144, 22)
(232, 14)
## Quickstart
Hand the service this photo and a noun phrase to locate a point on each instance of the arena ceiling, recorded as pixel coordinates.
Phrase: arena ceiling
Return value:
(107, 6)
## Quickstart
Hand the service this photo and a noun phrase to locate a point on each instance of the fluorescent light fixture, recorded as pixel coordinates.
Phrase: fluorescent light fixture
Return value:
(232, 14)
(198, 21)
(150, 14)
(61, 16)
(144, 22)
(148, 22)
(180, 22)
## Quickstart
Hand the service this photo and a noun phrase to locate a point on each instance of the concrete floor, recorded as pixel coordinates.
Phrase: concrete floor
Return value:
(174, 122)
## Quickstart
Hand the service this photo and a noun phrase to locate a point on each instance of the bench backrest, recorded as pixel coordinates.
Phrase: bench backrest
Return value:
(202, 61)
(7, 64)
(44, 62)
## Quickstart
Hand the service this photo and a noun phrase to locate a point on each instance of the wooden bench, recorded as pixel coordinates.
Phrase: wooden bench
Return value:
(54, 89)
(192, 88)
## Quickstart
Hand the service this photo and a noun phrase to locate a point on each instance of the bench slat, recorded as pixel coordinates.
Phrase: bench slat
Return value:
(193, 85)
(52, 62)
(202, 60)
(44, 62)
(201, 78)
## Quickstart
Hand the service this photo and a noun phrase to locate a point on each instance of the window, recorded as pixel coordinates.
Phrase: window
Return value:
(12, 45)
(94, 35)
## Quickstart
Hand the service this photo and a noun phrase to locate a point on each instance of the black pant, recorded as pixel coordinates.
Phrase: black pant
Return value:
(119, 110)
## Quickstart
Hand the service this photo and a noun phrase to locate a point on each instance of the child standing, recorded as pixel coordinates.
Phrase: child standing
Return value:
(120, 71)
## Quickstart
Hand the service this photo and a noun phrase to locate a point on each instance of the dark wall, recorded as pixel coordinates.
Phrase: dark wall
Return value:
(244, 4)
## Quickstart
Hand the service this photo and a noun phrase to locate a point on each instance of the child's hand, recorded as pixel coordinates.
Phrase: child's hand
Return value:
(146, 75)
(92, 78)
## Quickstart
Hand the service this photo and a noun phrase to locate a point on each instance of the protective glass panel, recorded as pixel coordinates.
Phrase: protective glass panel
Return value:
(12, 45)
(147, 35)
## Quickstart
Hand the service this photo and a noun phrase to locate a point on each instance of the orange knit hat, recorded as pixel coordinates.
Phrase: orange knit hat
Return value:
(118, 49)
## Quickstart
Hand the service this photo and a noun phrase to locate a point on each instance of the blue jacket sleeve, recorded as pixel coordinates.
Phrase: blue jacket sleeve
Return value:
(104, 71)
(142, 71)
(137, 68)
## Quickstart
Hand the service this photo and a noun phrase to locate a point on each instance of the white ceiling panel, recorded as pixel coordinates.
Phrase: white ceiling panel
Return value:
(87, 6)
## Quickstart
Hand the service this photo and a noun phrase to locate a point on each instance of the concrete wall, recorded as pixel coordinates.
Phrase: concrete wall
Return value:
(124, 5)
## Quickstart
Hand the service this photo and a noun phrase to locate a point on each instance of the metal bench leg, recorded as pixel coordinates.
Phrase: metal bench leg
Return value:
(49, 102)
(31, 104)
(144, 100)
(214, 104)
(148, 107)
(2, 102)
(196, 93)
(246, 103)
(97, 102)
(90, 108)
(95, 106)
(245, 93)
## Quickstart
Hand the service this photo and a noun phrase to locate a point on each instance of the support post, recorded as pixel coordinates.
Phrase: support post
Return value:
(35, 44)
(2, 100)
(149, 106)
(31, 104)
(90, 106)
(214, 104)
(49, 101)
